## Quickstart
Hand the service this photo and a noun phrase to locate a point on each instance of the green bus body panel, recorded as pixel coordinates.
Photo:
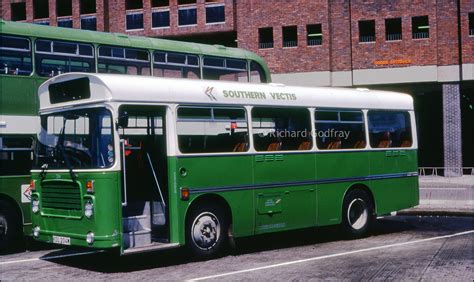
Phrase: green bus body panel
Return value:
(106, 223)
(10, 189)
(18, 95)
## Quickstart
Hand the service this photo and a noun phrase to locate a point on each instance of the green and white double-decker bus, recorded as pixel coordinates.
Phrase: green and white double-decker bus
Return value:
(30, 54)
(140, 163)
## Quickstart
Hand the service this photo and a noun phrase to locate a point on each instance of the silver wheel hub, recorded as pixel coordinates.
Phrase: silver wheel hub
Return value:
(357, 214)
(205, 231)
(3, 227)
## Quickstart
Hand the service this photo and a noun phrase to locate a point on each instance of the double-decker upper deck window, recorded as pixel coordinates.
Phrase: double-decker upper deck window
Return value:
(388, 129)
(176, 65)
(123, 60)
(393, 29)
(56, 57)
(420, 27)
(212, 130)
(281, 129)
(15, 55)
(471, 24)
(16, 155)
(217, 68)
(367, 31)
(340, 130)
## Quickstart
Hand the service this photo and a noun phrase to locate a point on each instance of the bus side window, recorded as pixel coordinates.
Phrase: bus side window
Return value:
(57, 57)
(212, 130)
(15, 56)
(175, 65)
(390, 129)
(257, 75)
(340, 130)
(16, 155)
(216, 68)
(281, 129)
(123, 61)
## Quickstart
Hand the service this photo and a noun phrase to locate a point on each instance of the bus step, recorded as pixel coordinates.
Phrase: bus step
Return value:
(152, 247)
(137, 238)
(158, 216)
(136, 208)
(136, 223)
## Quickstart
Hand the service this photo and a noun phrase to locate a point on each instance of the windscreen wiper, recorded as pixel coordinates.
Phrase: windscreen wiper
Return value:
(60, 145)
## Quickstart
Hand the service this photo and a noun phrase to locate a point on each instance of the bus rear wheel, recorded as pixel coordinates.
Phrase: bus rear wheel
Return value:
(357, 214)
(9, 226)
(206, 230)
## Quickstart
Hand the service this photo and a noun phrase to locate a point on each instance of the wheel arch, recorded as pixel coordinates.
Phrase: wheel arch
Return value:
(19, 212)
(363, 187)
(210, 198)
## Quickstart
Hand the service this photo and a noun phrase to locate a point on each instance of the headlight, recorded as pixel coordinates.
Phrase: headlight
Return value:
(36, 231)
(88, 209)
(35, 206)
(90, 238)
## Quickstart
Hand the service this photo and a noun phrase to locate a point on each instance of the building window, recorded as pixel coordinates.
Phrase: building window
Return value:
(134, 20)
(290, 36)
(87, 7)
(18, 11)
(63, 8)
(314, 34)
(89, 22)
(65, 22)
(187, 16)
(215, 13)
(265, 37)
(420, 27)
(133, 4)
(40, 9)
(46, 22)
(471, 24)
(367, 31)
(393, 29)
(160, 3)
(160, 18)
(186, 2)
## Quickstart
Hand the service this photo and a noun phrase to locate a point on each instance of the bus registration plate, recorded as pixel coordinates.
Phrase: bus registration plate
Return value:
(61, 240)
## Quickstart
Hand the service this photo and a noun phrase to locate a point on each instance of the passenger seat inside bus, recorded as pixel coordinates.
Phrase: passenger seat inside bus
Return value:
(385, 140)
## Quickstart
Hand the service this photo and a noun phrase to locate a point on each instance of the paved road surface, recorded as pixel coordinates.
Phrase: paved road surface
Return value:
(402, 247)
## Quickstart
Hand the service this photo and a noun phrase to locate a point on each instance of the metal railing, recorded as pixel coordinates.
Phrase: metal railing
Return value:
(445, 171)
(421, 35)
(367, 38)
(265, 45)
(292, 43)
(394, 36)
(471, 31)
(315, 41)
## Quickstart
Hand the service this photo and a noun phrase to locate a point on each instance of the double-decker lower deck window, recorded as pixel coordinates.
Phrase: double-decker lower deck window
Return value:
(217, 68)
(123, 60)
(15, 155)
(15, 56)
(388, 129)
(212, 130)
(281, 129)
(176, 65)
(340, 130)
(56, 57)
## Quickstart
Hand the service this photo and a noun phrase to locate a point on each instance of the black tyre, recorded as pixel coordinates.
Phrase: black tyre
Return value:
(10, 226)
(357, 214)
(206, 230)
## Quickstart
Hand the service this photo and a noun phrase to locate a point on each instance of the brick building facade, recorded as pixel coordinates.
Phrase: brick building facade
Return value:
(425, 48)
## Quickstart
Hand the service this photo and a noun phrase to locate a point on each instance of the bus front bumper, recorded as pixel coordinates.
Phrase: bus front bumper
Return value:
(88, 239)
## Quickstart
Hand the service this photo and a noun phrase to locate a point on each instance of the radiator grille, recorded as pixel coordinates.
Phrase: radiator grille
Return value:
(61, 195)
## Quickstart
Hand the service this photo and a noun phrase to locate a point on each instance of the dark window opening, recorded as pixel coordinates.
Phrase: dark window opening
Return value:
(367, 31)
(160, 18)
(15, 56)
(340, 130)
(471, 23)
(215, 13)
(18, 11)
(420, 27)
(71, 90)
(89, 22)
(265, 37)
(393, 29)
(87, 7)
(123, 61)
(212, 130)
(65, 22)
(215, 68)
(135, 20)
(40, 9)
(281, 129)
(314, 34)
(16, 155)
(290, 36)
(160, 3)
(63, 8)
(42, 22)
(133, 4)
(187, 16)
(186, 2)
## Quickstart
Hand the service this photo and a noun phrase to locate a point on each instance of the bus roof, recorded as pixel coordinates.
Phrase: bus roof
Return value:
(69, 34)
(142, 89)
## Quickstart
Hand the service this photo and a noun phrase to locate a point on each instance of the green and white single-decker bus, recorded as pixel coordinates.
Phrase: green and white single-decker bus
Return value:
(137, 163)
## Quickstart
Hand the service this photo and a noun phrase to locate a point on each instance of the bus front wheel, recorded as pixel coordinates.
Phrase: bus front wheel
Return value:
(357, 213)
(9, 226)
(206, 230)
